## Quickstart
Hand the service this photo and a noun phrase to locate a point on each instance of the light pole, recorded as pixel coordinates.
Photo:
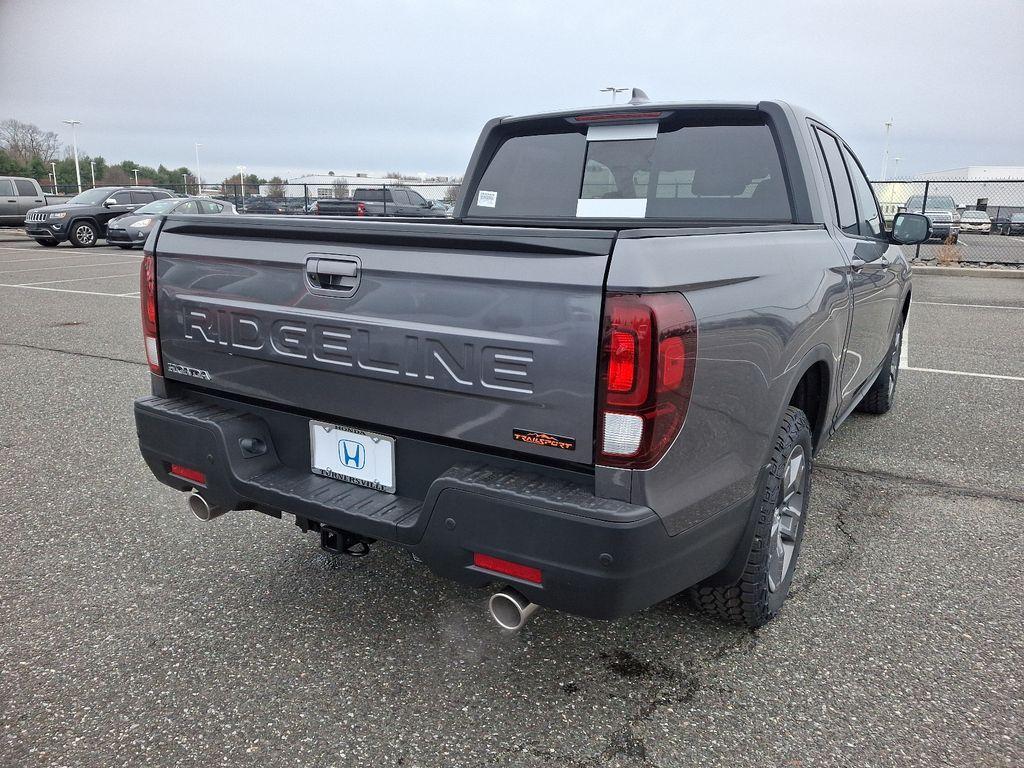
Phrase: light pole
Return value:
(896, 167)
(74, 144)
(184, 182)
(885, 154)
(92, 167)
(613, 91)
(54, 166)
(54, 179)
(241, 182)
(136, 172)
(199, 176)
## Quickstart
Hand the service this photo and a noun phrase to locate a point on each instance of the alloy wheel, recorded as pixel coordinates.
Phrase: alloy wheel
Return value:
(788, 516)
(84, 234)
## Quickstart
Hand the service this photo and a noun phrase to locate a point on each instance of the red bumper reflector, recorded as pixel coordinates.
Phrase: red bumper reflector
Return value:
(192, 475)
(516, 570)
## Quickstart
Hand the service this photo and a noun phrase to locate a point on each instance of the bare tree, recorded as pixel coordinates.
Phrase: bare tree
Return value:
(24, 142)
(276, 189)
(116, 176)
(451, 193)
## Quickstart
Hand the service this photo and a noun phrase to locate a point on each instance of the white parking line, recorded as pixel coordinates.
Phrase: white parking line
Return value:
(69, 290)
(971, 306)
(79, 279)
(62, 257)
(63, 266)
(967, 373)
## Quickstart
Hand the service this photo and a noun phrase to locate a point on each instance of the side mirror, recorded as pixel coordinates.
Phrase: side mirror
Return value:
(109, 202)
(910, 228)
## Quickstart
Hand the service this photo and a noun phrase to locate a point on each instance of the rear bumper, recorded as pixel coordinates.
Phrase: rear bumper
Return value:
(599, 558)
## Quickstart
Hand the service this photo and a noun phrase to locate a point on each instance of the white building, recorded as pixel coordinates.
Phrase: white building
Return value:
(978, 173)
(341, 184)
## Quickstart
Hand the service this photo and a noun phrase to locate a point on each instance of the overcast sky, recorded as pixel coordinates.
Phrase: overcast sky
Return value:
(291, 87)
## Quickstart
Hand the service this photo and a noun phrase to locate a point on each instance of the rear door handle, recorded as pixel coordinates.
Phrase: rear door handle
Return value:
(337, 276)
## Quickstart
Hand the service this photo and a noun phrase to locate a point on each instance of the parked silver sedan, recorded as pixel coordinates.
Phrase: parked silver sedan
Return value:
(131, 230)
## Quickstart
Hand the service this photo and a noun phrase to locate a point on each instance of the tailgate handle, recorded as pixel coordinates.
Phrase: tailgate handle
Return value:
(337, 277)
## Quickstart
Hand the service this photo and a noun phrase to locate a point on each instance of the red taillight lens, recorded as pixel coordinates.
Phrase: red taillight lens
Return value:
(507, 567)
(648, 358)
(192, 475)
(360, 209)
(622, 361)
(147, 297)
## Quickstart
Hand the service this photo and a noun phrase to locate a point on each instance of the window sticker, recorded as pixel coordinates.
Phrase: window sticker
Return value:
(486, 199)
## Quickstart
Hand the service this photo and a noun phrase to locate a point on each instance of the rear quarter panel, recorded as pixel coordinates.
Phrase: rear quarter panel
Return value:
(768, 305)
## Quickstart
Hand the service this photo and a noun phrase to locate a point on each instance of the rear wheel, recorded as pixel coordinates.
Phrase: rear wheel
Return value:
(879, 398)
(758, 596)
(46, 243)
(83, 234)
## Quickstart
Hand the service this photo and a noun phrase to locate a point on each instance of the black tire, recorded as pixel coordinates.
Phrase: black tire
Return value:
(758, 596)
(47, 243)
(83, 234)
(880, 397)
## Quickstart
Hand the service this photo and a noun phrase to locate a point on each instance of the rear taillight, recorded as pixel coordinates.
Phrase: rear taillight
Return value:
(147, 296)
(649, 351)
(360, 209)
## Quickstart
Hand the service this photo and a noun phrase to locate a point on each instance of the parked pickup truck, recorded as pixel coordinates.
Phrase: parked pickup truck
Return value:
(603, 383)
(392, 201)
(941, 213)
(19, 195)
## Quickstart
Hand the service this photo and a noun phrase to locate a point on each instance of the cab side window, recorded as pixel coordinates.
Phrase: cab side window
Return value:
(868, 218)
(190, 206)
(122, 197)
(6, 188)
(842, 190)
(25, 188)
(209, 207)
(141, 198)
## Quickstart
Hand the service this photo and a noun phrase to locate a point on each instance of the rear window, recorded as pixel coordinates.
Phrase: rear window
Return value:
(682, 172)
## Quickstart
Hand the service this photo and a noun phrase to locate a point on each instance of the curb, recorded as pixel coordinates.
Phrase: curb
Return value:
(968, 272)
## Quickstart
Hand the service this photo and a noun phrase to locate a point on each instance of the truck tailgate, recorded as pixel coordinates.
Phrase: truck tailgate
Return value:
(483, 335)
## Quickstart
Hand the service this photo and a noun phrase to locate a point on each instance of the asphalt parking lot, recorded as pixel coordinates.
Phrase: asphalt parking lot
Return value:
(131, 634)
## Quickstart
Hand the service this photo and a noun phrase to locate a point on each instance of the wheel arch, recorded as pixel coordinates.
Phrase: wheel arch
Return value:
(811, 392)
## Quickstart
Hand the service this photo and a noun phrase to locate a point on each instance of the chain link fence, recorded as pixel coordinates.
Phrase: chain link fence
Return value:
(976, 223)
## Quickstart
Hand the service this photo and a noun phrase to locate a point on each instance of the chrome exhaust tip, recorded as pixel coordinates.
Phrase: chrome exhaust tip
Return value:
(510, 609)
(202, 509)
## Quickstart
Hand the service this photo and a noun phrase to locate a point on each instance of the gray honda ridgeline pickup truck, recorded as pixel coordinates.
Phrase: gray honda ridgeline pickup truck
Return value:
(602, 384)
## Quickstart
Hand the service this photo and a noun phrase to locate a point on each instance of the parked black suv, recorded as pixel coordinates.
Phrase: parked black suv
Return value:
(83, 219)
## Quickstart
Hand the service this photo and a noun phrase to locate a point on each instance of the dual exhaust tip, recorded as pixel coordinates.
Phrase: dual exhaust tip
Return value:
(509, 608)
